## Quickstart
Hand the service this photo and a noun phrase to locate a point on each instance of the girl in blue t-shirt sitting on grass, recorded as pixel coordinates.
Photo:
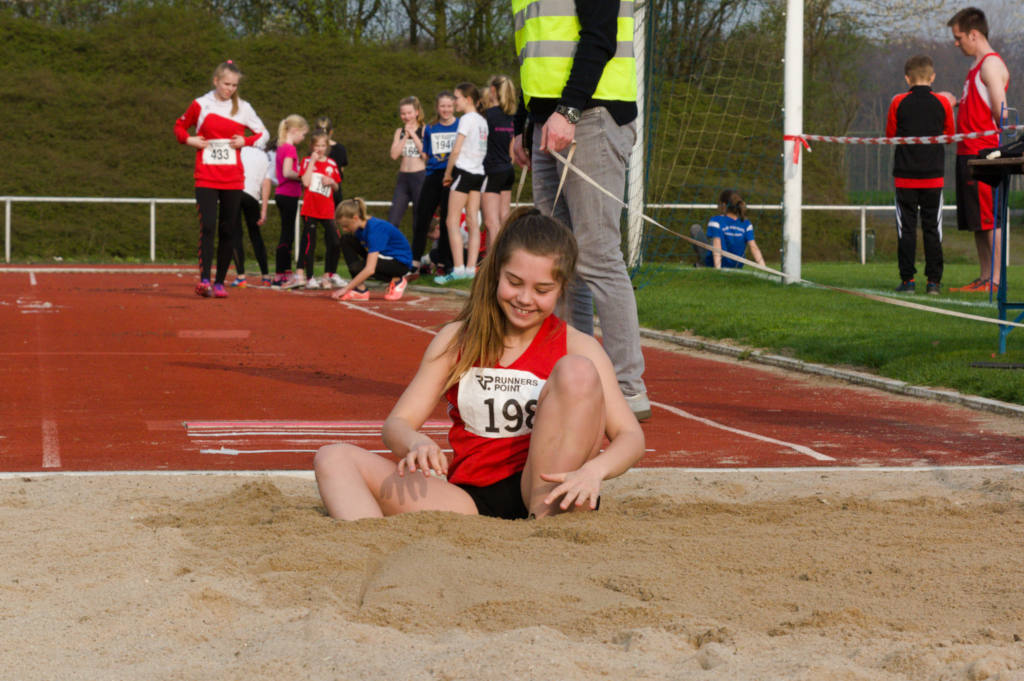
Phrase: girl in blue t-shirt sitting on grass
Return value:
(729, 231)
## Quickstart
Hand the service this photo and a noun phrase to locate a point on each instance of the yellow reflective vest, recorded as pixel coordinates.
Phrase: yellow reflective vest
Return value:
(547, 32)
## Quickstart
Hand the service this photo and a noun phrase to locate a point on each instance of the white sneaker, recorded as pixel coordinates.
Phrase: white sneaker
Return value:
(640, 406)
(294, 282)
(337, 281)
(314, 283)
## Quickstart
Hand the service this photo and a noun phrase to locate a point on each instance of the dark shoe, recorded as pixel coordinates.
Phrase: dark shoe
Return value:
(906, 287)
(933, 288)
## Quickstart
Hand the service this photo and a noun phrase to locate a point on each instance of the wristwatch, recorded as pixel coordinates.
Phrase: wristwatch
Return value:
(571, 113)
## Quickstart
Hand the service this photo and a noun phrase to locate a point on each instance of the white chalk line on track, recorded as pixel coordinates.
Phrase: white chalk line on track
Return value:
(98, 270)
(354, 306)
(818, 456)
(309, 475)
(51, 444)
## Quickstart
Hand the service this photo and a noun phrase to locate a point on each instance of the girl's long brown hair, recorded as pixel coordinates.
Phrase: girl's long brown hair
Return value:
(480, 340)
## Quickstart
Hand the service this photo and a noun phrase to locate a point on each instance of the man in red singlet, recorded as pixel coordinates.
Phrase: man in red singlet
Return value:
(979, 109)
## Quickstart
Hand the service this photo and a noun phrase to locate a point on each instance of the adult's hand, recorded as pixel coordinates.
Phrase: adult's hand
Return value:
(557, 133)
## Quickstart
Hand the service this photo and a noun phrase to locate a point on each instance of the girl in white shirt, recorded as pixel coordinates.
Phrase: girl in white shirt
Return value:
(465, 177)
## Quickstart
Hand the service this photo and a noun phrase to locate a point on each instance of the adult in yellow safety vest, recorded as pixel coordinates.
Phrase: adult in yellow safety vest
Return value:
(578, 83)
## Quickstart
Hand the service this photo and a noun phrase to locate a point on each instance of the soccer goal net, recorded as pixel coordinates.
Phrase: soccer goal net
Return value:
(713, 113)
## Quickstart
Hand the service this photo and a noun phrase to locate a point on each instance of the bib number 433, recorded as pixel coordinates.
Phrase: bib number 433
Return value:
(218, 153)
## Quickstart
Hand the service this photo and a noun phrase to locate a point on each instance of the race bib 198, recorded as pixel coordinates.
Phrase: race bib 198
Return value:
(219, 153)
(318, 185)
(443, 142)
(499, 403)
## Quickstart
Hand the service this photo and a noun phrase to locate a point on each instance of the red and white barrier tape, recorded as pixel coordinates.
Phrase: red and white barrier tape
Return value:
(802, 140)
(568, 165)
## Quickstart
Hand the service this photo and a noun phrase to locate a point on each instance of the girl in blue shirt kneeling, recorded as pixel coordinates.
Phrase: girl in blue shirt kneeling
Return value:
(372, 248)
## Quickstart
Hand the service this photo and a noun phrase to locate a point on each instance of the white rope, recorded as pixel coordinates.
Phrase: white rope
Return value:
(769, 270)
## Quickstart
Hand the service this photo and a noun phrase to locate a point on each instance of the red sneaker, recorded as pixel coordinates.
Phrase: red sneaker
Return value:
(204, 289)
(356, 295)
(979, 286)
(395, 291)
(968, 287)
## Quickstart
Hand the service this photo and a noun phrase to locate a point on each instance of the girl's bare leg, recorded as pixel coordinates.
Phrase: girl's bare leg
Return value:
(355, 483)
(473, 227)
(490, 205)
(568, 429)
(456, 202)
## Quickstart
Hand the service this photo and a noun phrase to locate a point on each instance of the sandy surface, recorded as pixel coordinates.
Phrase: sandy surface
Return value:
(838, 575)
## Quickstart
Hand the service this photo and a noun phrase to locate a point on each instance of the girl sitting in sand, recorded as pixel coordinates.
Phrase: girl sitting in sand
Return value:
(531, 401)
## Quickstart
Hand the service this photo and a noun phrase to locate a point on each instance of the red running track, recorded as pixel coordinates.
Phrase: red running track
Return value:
(111, 370)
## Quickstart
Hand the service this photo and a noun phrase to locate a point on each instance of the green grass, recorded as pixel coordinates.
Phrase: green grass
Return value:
(828, 327)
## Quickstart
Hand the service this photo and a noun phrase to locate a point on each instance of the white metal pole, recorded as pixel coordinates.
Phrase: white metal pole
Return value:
(635, 191)
(7, 230)
(793, 123)
(152, 231)
(863, 234)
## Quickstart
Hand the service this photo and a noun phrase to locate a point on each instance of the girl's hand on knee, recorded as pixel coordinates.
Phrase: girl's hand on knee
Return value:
(425, 456)
(578, 487)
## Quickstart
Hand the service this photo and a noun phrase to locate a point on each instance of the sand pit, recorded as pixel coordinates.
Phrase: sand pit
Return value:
(859, 575)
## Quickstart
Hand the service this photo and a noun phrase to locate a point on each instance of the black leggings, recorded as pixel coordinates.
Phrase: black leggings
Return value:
(355, 258)
(288, 207)
(912, 203)
(251, 213)
(407, 188)
(223, 223)
(307, 245)
(433, 196)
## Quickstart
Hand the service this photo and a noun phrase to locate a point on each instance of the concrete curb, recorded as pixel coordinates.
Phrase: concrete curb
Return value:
(846, 375)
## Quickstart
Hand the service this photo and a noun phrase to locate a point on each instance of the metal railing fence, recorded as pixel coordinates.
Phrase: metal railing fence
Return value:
(153, 202)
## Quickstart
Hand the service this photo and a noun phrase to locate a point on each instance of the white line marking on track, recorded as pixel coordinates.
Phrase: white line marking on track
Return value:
(215, 334)
(51, 444)
(226, 451)
(103, 270)
(390, 319)
(31, 278)
(818, 456)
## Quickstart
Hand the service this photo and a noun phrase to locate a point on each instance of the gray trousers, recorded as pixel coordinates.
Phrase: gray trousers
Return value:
(602, 151)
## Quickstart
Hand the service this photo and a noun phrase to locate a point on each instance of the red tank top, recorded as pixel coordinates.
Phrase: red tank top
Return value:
(492, 410)
(975, 112)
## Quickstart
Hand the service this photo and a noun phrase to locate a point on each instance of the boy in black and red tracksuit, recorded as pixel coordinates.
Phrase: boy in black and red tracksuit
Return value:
(918, 171)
